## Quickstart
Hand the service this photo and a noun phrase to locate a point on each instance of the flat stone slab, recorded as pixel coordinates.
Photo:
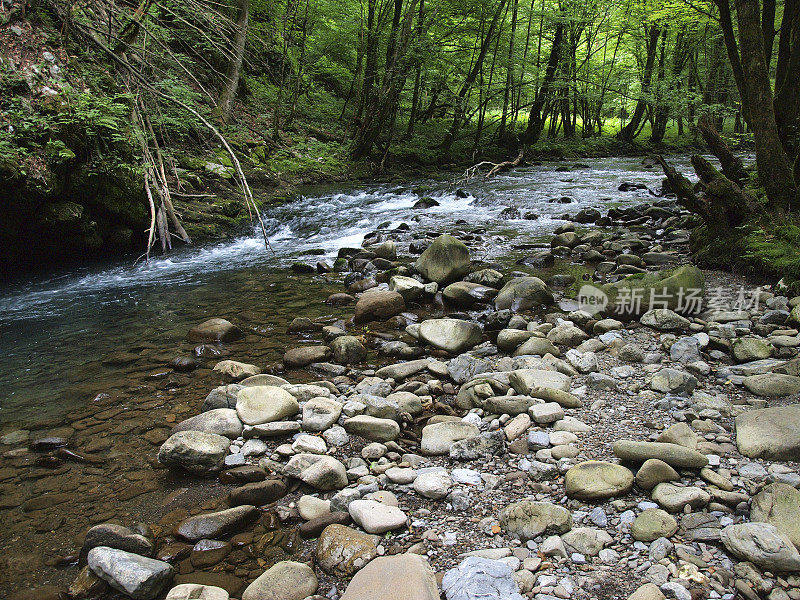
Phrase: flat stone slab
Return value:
(672, 454)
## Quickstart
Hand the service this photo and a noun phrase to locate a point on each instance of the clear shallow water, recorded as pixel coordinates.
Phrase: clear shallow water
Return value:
(61, 334)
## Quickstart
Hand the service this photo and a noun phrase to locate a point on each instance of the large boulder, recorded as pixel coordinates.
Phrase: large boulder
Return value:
(528, 519)
(673, 381)
(286, 580)
(779, 504)
(762, 544)
(770, 433)
(674, 289)
(437, 438)
(372, 428)
(652, 524)
(378, 305)
(452, 335)
(675, 498)
(222, 421)
(195, 452)
(748, 349)
(664, 319)
(536, 346)
(342, 550)
(232, 370)
(526, 381)
(444, 261)
(772, 385)
(522, 293)
(348, 350)
(264, 404)
(376, 517)
(597, 480)
(586, 540)
(214, 330)
(398, 577)
(319, 471)
(139, 577)
(320, 413)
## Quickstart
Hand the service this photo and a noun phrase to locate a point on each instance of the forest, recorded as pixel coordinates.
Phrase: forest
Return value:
(133, 98)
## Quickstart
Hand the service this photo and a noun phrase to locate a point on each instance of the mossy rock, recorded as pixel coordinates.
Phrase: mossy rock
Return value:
(671, 288)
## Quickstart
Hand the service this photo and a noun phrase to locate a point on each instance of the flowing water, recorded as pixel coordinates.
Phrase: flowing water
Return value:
(85, 352)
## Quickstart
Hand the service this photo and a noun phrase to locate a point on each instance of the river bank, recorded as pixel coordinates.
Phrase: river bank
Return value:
(614, 374)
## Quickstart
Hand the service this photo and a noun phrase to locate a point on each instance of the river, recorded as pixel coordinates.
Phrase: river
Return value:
(85, 352)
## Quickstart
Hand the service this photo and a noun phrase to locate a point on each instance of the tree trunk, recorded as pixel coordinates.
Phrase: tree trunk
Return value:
(509, 89)
(628, 132)
(231, 83)
(535, 119)
(774, 166)
(412, 117)
(384, 102)
(732, 166)
(459, 108)
(787, 79)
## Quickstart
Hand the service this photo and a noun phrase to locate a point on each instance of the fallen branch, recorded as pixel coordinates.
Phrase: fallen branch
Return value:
(496, 168)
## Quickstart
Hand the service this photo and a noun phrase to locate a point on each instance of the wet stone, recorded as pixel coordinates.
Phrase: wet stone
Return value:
(206, 553)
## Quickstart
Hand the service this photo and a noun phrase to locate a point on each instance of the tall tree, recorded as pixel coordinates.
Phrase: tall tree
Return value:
(230, 83)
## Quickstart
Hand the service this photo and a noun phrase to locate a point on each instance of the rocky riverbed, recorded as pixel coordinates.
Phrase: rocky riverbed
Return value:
(465, 429)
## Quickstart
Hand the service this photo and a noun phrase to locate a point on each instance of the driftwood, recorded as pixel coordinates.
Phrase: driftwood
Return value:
(494, 168)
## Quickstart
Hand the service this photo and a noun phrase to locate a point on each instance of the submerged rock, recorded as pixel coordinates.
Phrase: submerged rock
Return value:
(214, 330)
(139, 577)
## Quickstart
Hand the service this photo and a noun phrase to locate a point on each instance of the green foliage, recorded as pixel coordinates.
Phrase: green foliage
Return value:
(774, 247)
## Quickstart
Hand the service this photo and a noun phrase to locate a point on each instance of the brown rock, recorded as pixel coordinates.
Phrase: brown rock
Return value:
(378, 306)
(214, 330)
